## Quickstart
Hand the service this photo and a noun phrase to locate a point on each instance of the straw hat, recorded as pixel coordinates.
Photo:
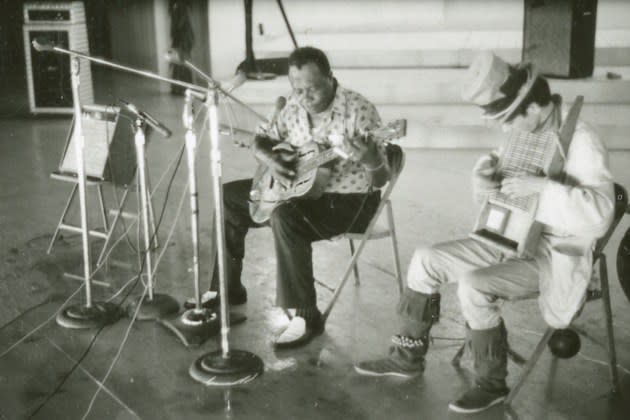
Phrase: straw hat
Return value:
(495, 86)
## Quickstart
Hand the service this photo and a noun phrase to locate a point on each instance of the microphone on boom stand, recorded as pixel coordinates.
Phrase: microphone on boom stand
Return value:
(197, 324)
(146, 117)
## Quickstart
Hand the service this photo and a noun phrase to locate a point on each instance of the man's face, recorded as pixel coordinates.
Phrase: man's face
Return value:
(528, 122)
(313, 89)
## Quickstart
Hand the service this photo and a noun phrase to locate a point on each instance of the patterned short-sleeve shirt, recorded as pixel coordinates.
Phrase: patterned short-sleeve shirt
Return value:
(349, 115)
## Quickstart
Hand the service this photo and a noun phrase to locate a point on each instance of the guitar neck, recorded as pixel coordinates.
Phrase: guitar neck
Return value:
(321, 159)
(390, 132)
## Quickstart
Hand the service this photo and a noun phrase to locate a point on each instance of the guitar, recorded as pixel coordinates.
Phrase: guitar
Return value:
(311, 174)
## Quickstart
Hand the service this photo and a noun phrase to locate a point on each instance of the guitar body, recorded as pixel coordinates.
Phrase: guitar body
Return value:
(313, 172)
(309, 183)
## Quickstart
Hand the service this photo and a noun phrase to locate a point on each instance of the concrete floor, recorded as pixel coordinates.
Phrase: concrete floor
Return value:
(150, 380)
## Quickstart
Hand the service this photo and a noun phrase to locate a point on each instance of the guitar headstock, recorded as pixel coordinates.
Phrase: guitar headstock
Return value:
(392, 131)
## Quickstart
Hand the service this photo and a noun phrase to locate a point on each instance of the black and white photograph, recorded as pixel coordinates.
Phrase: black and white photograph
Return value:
(315, 209)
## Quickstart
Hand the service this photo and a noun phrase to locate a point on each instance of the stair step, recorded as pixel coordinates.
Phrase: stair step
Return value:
(441, 48)
(428, 86)
(468, 115)
(478, 137)
(440, 126)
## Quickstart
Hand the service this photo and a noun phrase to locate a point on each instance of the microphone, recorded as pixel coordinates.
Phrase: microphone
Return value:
(149, 119)
(44, 45)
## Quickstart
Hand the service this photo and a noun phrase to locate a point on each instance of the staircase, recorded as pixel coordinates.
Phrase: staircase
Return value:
(437, 118)
(409, 58)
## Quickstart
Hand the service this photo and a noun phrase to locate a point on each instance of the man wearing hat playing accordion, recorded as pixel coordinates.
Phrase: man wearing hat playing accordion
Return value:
(574, 210)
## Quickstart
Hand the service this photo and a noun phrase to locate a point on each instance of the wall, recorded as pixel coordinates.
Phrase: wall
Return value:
(132, 31)
(339, 24)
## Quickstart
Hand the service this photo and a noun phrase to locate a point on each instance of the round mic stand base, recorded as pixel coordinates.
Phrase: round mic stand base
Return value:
(150, 309)
(226, 367)
(216, 369)
(84, 317)
(194, 327)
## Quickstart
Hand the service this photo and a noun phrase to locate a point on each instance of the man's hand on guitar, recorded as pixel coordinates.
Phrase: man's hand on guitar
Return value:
(363, 149)
(484, 174)
(282, 163)
(524, 185)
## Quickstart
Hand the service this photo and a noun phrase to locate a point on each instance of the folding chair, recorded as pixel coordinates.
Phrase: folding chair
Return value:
(621, 205)
(396, 160)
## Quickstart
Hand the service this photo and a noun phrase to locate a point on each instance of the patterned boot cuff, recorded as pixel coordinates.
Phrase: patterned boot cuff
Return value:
(408, 342)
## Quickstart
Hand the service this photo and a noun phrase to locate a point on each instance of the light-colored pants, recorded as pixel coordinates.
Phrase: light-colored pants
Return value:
(483, 275)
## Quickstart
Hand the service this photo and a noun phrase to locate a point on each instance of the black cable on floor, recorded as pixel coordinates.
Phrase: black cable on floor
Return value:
(131, 289)
(29, 309)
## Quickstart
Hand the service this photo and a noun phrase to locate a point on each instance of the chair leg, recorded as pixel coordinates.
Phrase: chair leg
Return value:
(355, 268)
(529, 366)
(344, 278)
(62, 218)
(396, 254)
(603, 274)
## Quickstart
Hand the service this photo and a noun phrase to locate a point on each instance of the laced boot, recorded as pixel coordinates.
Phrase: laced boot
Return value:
(406, 357)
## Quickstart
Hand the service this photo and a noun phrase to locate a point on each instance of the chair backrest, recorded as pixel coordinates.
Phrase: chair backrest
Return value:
(621, 205)
(396, 161)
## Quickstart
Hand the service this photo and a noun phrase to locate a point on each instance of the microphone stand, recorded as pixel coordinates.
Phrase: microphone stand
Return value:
(92, 314)
(249, 65)
(96, 314)
(225, 367)
(153, 305)
(196, 325)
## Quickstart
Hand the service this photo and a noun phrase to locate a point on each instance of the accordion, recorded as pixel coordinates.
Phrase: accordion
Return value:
(509, 223)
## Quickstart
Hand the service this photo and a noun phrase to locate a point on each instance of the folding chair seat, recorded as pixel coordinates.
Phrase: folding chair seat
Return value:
(375, 230)
(599, 260)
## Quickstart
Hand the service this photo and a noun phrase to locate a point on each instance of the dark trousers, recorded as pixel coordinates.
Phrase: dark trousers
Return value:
(295, 225)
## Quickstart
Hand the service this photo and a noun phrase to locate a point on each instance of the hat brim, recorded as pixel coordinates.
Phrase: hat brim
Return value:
(502, 115)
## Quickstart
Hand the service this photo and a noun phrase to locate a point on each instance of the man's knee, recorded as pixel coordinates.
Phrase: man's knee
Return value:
(478, 308)
(234, 193)
(285, 218)
(280, 215)
(468, 289)
(420, 276)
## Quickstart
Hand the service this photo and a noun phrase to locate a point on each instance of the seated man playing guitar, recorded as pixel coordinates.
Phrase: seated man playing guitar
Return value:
(318, 110)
